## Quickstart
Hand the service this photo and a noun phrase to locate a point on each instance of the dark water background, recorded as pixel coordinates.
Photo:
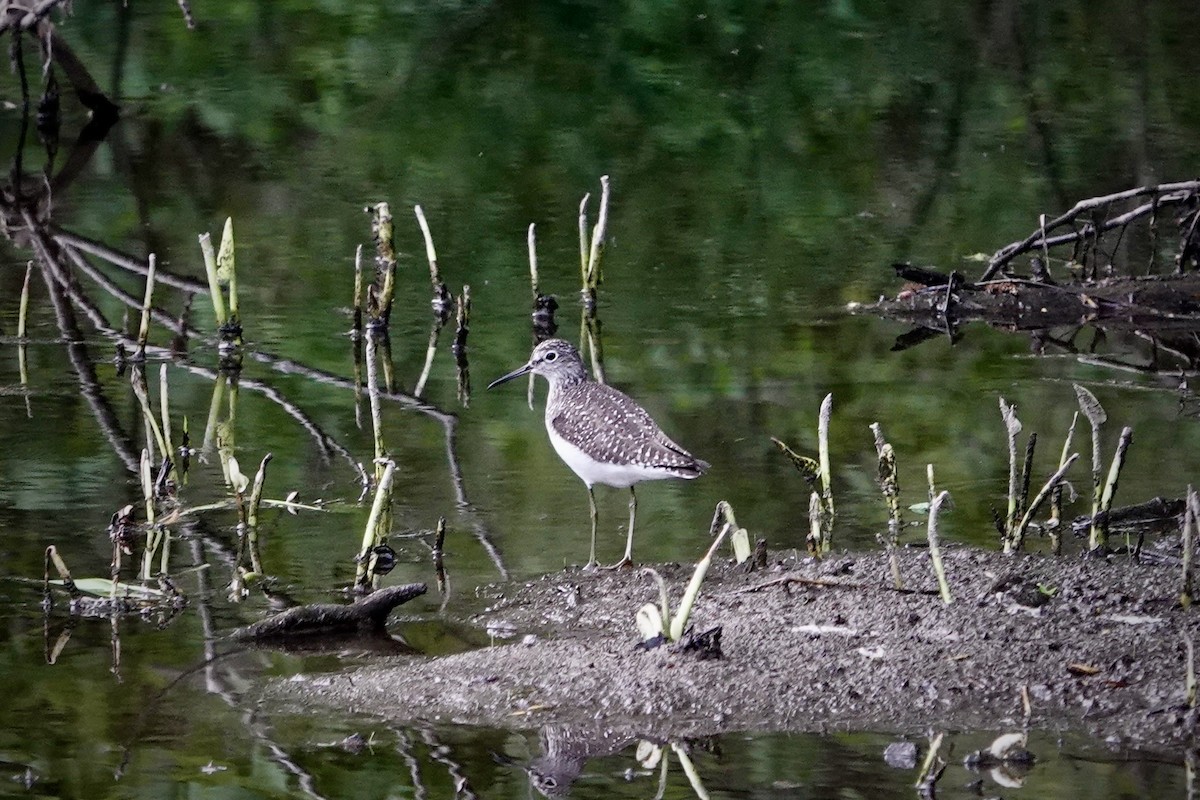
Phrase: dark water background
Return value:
(768, 163)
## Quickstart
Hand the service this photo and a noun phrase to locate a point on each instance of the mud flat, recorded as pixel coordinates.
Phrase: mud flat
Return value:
(1096, 644)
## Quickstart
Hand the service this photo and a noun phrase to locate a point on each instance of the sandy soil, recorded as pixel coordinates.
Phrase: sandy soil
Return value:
(1097, 644)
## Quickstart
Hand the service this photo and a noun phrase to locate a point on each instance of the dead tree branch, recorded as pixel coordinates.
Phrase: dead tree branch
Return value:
(1162, 195)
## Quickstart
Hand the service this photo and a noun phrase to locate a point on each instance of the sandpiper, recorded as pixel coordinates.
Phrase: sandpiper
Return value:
(602, 434)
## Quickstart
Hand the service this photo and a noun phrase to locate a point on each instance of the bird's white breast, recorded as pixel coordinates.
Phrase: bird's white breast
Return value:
(621, 476)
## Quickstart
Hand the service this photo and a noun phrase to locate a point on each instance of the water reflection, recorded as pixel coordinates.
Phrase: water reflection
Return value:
(767, 161)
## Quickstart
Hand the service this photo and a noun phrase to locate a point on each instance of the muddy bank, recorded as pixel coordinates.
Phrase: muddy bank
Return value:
(1097, 643)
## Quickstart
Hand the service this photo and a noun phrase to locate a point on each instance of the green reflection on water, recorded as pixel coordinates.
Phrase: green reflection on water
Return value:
(767, 163)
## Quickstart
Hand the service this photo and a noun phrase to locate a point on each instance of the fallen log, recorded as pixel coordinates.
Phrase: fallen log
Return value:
(368, 614)
(1158, 302)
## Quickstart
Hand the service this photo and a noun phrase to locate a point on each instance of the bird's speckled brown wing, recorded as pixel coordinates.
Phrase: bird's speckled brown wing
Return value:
(610, 427)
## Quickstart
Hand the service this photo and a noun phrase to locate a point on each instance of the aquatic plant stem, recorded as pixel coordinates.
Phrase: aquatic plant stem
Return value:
(1096, 417)
(440, 303)
(814, 538)
(531, 246)
(689, 769)
(680, 620)
(462, 306)
(1012, 427)
(739, 539)
(932, 768)
(1026, 473)
(227, 268)
(889, 483)
(535, 285)
(256, 490)
(379, 300)
(214, 283)
(214, 411)
(22, 339)
(441, 295)
(935, 549)
(372, 532)
(439, 560)
(23, 308)
(148, 296)
(1189, 680)
(827, 511)
(1110, 485)
(137, 379)
(147, 484)
(1018, 535)
(653, 621)
(430, 252)
(1055, 521)
(164, 410)
(599, 233)
(376, 410)
(435, 332)
(1191, 524)
(583, 240)
(356, 330)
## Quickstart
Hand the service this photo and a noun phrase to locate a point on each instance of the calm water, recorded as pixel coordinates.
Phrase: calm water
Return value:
(767, 166)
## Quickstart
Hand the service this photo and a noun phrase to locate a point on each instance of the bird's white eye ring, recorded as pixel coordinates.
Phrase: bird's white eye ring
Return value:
(551, 356)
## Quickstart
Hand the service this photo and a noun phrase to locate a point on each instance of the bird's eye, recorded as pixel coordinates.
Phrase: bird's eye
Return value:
(551, 355)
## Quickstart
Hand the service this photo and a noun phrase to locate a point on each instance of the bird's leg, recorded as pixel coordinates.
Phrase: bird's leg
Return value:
(591, 564)
(627, 560)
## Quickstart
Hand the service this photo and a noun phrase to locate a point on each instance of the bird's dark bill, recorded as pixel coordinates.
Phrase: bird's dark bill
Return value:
(516, 373)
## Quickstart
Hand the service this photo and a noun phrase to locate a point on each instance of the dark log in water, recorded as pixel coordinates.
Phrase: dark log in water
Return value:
(368, 614)
(1159, 302)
